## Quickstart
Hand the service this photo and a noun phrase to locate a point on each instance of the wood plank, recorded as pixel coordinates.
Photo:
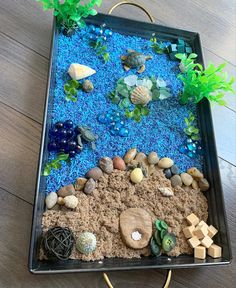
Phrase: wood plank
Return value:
(14, 244)
(23, 78)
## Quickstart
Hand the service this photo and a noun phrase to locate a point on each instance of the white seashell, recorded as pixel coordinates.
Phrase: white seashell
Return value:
(166, 191)
(140, 95)
(78, 71)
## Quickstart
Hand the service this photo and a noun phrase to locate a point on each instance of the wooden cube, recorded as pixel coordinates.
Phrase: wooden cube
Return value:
(212, 231)
(194, 242)
(188, 231)
(200, 252)
(192, 219)
(203, 223)
(206, 241)
(214, 251)
(200, 231)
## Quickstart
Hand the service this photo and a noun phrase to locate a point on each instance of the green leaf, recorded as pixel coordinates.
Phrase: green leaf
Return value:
(145, 111)
(46, 171)
(128, 114)
(195, 137)
(62, 157)
(124, 103)
(73, 91)
(137, 118)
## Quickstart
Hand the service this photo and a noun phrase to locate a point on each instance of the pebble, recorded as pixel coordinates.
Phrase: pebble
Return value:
(165, 163)
(95, 173)
(167, 173)
(203, 184)
(89, 186)
(166, 191)
(87, 86)
(71, 201)
(195, 173)
(86, 242)
(80, 183)
(130, 155)
(119, 163)
(175, 170)
(60, 201)
(153, 158)
(106, 164)
(176, 181)
(140, 157)
(186, 179)
(136, 175)
(195, 184)
(51, 200)
(66, 191)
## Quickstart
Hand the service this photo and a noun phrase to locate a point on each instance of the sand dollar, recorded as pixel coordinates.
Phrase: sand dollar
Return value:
(136, 221)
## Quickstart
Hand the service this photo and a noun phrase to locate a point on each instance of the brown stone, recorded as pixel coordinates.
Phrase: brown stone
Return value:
(195, 173)
(186, 179)
(140, 157)
(119, 163)
(66, 191)
(80, 183)
(195, 184)
(130, 155)
(89, 186)
(203, 184)
(176, 181)
(106, 164)
(153, 158)
(136, 220)
(95, 173)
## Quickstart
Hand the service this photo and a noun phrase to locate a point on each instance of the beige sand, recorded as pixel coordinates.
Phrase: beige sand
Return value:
(99, 213)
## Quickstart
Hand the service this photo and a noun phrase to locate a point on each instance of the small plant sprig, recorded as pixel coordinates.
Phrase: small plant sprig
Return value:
(138, 112)
(158, 48)
(70, 14)
(55, 163)
(199, 83)
(101, 49)
(191, 130)
(71, 88)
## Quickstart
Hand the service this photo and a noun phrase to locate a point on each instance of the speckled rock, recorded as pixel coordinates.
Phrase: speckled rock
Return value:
(86, 242)
(130, 155)
(186, 179)
(165, 163)
(176, 181)
(106, 164)
(87, 86)
(140, 157)
(195, 184)
(66, 191)
(51, 200)
(195, 173)
(153, 158)
(119, 163)
(136, 176)
(203, 184)
(95, 173)
(71, 201)
(89, 186)
(80, 183)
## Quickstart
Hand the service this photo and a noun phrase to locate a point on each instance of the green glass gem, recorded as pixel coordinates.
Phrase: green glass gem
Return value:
(157, 237)
(156, 251)
(163, 233)
(164, 225)
(158, 225)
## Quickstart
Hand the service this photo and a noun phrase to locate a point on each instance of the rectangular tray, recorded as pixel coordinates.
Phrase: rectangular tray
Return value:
(217, 216)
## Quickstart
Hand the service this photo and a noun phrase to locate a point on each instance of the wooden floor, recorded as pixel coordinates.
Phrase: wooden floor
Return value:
(25, 33)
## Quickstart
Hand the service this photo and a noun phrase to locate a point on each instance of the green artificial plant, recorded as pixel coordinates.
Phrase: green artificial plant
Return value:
(101, 49)
(199, 83)
(158, 48)
(71, 88)
(55, 163)
(70, 14)
(191, 129)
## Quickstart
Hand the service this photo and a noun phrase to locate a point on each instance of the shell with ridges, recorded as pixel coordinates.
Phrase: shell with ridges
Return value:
(140, 95)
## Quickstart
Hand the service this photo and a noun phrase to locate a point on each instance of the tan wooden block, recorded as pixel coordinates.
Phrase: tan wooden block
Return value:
(188, 231)
(212, 231)
(200, 252)
(203, 223)
(200, 231)
(194, 242)
(214, 251)
(206, 241)
(192, 219)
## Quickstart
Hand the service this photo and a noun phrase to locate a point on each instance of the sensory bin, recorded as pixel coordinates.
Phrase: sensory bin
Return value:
(125, 161)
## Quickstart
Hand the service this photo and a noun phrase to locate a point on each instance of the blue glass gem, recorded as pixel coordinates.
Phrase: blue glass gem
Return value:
(99, 31)
(59, 125)
(199, 150)
(104, 38)
(69, 133)
(52, 146)
(62, 133)
(93, 37)
(183, 149)
(53, 132)
(189, 140)
(108, 32)
(102, 119)
(68, 124)
(191, 154)
(124, 132)
(192, 146)
(109, 117)
(112, 125)
(72, 145)
(62, 143)
(72, 154)
(78, 149)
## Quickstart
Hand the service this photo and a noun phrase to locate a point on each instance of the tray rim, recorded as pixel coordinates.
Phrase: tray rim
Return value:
(204, 107)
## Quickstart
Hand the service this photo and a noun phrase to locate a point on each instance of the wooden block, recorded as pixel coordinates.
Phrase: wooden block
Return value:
(212, 231)
(200, 252)
(203, 223)
(214, 251)
(200, 231)
(188, 231)
(192, 219)
(194, 242)
(206, 241)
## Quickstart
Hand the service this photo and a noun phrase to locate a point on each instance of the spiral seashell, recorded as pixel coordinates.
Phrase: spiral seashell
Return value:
(140, 95)
(166, 191)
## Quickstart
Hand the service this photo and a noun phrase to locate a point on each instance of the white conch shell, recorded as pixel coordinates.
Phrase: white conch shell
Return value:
(78, 71)
(166, 191)
(140, 95)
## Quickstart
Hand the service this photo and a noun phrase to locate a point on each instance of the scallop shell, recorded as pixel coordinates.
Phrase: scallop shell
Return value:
(140, 95)
(166, 191)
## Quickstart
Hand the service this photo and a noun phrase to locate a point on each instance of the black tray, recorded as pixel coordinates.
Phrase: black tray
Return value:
(215, 198)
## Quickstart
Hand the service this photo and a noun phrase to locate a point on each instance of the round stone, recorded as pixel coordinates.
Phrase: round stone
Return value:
(176, 181)
(195, 173)
(195, 184)
(95, 173)
(87, 86)
(136, 175)
(167, 173)
(89, 186)
(140, 157)
(165, 163)
(66, 191)
(71, 201)
(119, 163)
(153, 158)
(80, 183)
(136, 227)
(175, 170)
(86, 242)
(51, 200)
(186, 179)
(130, 155)
(203, 184)
(106, 164)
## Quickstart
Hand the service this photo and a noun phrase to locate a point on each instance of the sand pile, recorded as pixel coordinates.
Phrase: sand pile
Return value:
(99, 213)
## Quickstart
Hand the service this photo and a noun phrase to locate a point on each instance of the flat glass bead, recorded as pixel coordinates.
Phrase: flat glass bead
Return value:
(191, 146)
(123, 132)
(98, 31)
(183, 149)
(102, 119)
(189, 140)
